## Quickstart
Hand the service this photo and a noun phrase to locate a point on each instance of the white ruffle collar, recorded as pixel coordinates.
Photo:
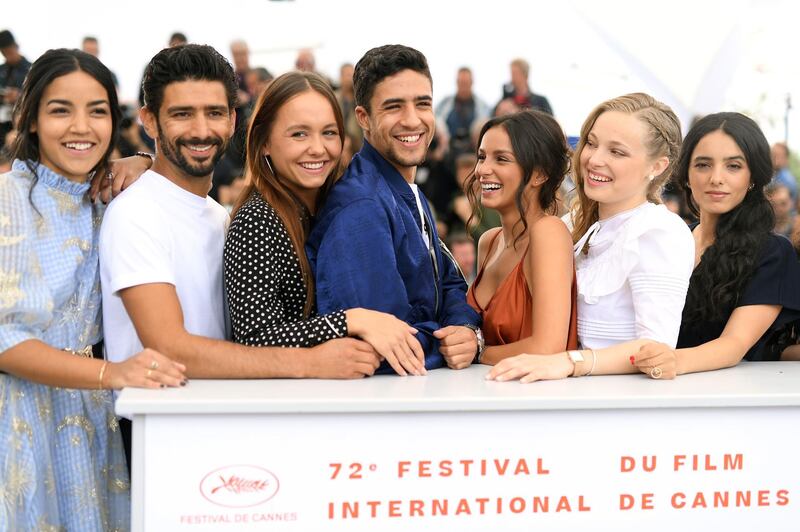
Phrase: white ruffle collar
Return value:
(613, 250)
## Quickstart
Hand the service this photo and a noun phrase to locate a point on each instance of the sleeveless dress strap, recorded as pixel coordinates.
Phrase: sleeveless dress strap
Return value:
(491, 245)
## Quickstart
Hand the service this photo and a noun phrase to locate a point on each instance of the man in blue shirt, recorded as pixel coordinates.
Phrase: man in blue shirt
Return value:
(375, 244)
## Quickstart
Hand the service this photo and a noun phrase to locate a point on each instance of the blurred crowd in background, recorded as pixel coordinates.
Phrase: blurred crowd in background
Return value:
(451, 158)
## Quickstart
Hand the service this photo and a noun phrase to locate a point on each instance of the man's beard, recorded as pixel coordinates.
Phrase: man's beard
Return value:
(393, 156)
(173, 153)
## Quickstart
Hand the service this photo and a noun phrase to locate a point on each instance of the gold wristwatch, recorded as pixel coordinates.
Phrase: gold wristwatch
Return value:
(578, 360)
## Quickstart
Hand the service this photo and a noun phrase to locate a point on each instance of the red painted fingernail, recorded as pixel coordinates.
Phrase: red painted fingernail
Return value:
(633, 359)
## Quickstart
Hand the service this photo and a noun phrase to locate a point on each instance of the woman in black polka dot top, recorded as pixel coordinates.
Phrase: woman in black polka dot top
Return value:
(294, 149)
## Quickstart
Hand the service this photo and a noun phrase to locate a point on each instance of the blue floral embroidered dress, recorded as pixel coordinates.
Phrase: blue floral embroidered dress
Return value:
(61, 461)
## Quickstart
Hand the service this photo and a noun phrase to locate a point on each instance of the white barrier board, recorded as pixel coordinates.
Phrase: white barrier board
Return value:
(732, 469)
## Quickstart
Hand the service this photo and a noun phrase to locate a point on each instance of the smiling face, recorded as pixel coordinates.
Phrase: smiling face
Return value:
(304, 144)
(73, 125)
(498, 171)
(718, 174)
(614, 164)
(193, 127)
(400, 124)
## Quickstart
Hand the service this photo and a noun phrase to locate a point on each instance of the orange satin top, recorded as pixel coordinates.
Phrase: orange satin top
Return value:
(507, 317)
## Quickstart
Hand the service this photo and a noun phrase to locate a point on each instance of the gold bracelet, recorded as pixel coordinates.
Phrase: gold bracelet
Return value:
(594, 362)
(100, 377)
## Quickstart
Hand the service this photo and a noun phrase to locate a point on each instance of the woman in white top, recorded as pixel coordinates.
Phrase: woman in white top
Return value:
(633, 257)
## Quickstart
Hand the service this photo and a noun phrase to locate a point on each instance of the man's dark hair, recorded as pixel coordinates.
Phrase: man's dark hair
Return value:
(382, 62)
(183, 63)
(178, 36)
(263, 74)
(89, 38)
(6, 39)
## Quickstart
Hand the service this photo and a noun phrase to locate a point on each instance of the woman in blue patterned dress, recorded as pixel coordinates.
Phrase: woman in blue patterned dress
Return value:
(61, 460)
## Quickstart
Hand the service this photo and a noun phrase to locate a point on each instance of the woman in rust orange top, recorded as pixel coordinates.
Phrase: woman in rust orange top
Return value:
(525, 288)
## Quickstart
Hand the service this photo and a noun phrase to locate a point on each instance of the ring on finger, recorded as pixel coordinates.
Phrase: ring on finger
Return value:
(110, 176)
(154, 364)
(149, 372)
(656, 372)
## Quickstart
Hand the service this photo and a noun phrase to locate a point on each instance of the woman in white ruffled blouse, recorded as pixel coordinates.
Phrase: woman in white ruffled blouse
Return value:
(633, 257)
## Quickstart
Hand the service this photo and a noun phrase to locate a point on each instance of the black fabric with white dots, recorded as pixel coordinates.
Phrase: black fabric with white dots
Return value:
(264, 284)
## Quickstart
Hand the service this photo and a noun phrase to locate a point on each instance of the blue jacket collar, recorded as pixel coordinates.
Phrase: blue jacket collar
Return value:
(390, 174)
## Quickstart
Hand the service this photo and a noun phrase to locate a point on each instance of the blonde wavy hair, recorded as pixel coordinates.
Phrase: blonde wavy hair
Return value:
(663, 139)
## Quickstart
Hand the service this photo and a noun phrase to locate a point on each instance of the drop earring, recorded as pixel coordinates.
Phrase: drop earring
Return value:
(266, 160)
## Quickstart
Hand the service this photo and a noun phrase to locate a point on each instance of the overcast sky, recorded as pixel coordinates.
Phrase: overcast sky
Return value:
(697, 56)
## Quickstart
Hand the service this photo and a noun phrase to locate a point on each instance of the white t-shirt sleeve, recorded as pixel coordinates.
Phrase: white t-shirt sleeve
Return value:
(134, 247)
(660, 280)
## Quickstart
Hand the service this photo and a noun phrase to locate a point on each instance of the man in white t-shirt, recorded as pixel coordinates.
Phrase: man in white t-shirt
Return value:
(161, 240)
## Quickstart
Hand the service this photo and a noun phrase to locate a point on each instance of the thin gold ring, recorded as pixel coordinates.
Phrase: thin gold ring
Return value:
(149, 372)
(656, 372)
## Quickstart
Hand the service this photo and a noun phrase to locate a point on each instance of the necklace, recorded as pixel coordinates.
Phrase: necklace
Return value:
(510, 245)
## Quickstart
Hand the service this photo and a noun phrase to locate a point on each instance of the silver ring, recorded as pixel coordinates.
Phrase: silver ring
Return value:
(153, 365)
(110, 176)
(656, 372)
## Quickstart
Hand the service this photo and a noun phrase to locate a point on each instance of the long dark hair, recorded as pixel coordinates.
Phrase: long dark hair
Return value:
(740, 235)
(271, 187)
(51, 65)
(539, 144)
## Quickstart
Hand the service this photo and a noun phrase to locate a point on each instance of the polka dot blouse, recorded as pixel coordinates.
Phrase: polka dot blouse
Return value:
(264, 284)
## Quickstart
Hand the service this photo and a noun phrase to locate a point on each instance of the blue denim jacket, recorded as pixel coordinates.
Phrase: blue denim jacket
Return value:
(367, 249)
